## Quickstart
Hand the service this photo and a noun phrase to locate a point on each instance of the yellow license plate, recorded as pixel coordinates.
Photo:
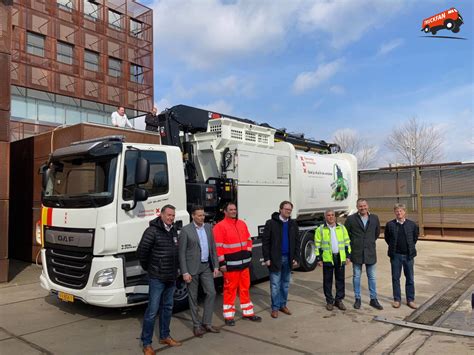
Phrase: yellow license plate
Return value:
(66, 297)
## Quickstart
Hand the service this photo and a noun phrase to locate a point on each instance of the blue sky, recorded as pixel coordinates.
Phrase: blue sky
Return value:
(319, 66)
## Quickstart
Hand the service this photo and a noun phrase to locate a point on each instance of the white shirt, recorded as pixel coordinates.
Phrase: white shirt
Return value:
(120, 121)
(334, 241)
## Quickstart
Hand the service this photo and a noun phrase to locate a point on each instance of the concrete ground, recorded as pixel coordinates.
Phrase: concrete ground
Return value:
(34, 322)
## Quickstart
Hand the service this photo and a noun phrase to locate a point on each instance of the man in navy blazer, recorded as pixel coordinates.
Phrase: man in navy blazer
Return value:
(199, 266)
(401, 235)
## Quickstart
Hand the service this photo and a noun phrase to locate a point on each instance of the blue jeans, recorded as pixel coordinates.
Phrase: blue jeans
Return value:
(160, 299)
(398, 261)
(279, 284)
(357, 272)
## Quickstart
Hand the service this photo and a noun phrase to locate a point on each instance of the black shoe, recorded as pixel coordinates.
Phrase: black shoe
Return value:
(254, 318)
(375, 303)
(230, 322)
(340, 305)
(329, 306)
(357, 303)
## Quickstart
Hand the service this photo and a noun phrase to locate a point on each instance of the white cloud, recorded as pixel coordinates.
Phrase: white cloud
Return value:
(220, 106)
(337, 89)
(309, 80)
(387, 47)
(347, 21)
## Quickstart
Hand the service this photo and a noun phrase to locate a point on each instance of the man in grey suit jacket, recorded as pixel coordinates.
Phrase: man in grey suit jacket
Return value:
(199, 266)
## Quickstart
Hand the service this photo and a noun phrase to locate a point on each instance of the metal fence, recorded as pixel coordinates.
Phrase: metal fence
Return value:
(439, 198)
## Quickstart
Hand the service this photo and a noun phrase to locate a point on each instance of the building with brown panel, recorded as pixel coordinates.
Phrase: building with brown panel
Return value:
(64, 62)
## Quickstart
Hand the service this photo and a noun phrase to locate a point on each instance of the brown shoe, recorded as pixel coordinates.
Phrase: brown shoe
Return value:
(274, 314)
(285, 310)
(198, 332)
(210, 329)
(170, 342)
(329, 306)
(148, 350)
(396, 304)
(340, 305)
(412, 305)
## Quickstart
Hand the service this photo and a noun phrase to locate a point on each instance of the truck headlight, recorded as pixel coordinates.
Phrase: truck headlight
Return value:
(104, 277)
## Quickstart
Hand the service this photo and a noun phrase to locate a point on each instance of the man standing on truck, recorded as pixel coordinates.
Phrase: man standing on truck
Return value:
(333, 251)
(364, 229)
(158, 255)
(401, 235)
(280, 250)
(151, 120)
(199, 266)
(119, 118)
(234, 252)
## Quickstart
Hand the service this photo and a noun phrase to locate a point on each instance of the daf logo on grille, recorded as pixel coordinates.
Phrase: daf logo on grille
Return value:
(66, 238)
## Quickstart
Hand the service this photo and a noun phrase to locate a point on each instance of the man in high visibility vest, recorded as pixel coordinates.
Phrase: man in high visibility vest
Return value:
(234, 252)
(333, 252)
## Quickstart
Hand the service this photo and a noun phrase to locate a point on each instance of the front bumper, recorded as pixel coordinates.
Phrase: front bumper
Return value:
(114, 295)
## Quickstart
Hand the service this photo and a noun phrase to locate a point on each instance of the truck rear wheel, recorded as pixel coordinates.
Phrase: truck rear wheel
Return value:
(307, 254)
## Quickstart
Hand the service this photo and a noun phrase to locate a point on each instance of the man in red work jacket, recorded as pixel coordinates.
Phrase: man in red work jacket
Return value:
(234, 251)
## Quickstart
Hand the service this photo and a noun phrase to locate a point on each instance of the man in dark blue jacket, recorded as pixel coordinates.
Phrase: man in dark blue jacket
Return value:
(401, 235)
(158, 255)
(280, 249)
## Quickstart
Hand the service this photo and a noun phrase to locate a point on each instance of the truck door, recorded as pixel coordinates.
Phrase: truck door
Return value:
(131, 224)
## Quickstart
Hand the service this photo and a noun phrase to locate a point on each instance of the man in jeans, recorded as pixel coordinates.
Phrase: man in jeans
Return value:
(158, 255)
(401, 235)
(364, 229)
(280, 252)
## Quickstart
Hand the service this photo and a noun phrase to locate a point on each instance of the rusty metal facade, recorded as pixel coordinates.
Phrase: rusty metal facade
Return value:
(439, 198)
(128, 39)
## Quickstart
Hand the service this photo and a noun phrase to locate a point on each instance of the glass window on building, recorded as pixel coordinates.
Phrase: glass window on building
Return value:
(115, 19)
(136, 28)
(64, 52)
(91, 10)
(91, 60)
(35, 44)
(115, 67)
(67, 5)
(136, 73)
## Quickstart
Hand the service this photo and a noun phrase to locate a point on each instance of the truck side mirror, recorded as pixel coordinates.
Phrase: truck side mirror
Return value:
(44, 171)
(140, 194)
(142, 171)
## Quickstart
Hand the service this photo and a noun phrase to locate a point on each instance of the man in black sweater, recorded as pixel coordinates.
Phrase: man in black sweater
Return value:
(158, 255)
(401, 235)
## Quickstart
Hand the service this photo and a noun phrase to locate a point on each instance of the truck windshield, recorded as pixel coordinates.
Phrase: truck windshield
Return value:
(79, 182)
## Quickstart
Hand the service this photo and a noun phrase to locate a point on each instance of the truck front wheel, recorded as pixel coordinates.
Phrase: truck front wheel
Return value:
(307, 254)
(180, 296)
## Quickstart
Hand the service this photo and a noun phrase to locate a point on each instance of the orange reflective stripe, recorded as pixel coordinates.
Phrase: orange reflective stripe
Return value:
(46, 216)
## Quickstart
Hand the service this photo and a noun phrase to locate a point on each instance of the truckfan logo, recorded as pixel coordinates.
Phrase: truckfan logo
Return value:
(450, 20)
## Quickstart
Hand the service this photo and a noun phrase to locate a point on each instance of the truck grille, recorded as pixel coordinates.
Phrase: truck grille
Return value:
(68, 268)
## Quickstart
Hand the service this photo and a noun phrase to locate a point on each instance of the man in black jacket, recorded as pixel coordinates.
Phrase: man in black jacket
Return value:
(401, 235)
(364, 229)
(151, 120)
(158, 255)
(280, 252)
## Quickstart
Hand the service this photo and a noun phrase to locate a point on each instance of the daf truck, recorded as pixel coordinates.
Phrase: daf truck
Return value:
(99, 196)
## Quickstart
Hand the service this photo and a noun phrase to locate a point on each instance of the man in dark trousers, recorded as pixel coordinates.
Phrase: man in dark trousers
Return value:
(401, 235)
(151, 120)
(364, 229)
(158, 255)
(280, 252)
(199, 266)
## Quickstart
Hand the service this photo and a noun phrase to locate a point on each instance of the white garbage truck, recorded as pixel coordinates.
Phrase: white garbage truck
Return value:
(99, 196)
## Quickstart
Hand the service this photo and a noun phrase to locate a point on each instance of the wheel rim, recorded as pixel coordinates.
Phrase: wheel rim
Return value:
(449, 25)
(309, 252)
(427, 29)
(181, 292)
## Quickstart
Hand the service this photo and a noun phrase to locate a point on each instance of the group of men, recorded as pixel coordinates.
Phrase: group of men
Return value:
(119, 119)
(201, 252)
